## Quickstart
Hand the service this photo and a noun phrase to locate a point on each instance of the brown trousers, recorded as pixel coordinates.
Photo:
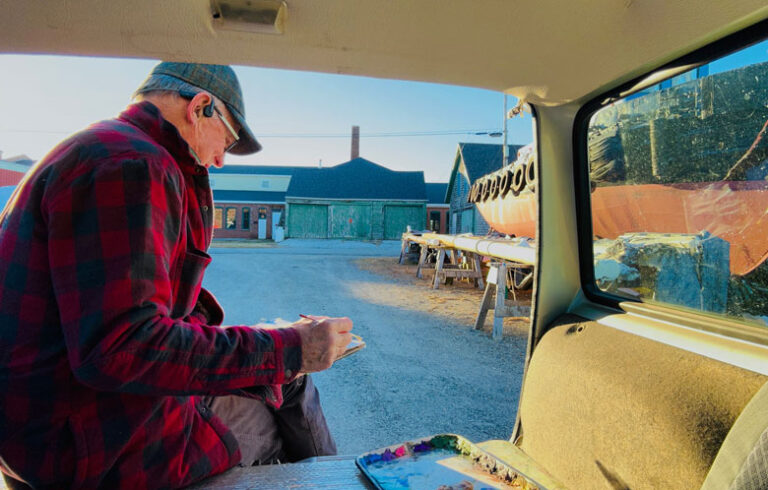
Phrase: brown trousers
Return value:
(295, 431)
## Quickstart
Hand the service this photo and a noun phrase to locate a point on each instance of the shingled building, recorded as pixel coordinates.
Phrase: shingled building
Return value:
(473, 160)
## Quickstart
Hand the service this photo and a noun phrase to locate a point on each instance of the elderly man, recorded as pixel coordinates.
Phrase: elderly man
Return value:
(114, 372)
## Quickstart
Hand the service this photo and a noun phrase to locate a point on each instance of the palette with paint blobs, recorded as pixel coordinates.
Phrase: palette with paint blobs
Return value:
(444, 461)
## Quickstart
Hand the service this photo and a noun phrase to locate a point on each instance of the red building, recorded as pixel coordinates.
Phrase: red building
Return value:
(249, 200)
(12, 170)
(437, 207)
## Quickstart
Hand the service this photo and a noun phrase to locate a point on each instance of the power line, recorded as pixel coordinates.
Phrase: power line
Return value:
(398, 134)
(37, 131)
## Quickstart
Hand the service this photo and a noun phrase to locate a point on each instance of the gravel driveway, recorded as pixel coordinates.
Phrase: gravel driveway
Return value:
(423, 372)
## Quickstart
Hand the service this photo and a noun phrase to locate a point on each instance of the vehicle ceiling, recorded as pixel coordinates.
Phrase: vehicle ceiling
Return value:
(546, 51)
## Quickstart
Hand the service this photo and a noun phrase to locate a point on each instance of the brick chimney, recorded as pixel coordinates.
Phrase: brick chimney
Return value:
(355, 142)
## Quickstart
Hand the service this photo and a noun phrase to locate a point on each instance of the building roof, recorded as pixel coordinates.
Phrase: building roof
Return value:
(436, 192)
(248, 196)
(357, 179)
(20, 159)
(255, 169)
(482, 158)
(19, 165)
(479, 159)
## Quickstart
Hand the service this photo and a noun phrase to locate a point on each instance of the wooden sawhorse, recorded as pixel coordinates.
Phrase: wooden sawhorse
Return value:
(497, 284)
(446, 272)
(424, 255)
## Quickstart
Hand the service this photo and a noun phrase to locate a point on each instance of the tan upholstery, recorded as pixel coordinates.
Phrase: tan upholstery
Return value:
(740, 442)
(603, 405)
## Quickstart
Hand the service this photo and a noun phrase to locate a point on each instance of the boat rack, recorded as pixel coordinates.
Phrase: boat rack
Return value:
(510, 255)
(518, 250)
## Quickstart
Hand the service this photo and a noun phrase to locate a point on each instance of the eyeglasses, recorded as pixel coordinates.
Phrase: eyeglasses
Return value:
(232, 132)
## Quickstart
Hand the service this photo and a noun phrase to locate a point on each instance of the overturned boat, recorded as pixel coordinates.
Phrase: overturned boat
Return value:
(681, 160)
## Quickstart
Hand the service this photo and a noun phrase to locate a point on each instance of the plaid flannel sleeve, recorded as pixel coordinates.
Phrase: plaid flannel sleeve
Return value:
(113, 233)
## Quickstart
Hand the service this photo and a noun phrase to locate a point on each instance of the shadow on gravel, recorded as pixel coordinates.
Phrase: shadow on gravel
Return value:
(396, 285)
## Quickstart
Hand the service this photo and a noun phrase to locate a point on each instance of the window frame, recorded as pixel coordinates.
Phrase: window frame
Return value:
(582, 187)
(221, 222)
(224, 223)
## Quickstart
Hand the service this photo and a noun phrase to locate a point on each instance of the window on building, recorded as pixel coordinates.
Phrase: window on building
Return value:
(679, 190)
(262, 213)
(231, 218)
(218, 214)
(246, 218)
(434, 221)
(265, 184)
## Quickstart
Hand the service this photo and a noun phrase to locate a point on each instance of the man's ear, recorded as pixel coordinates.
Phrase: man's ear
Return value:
(196, 106)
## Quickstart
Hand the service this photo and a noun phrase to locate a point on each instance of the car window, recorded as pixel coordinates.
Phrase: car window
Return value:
(679, 193)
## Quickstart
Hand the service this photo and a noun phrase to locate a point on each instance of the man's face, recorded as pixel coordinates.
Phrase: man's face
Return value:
(210, 137)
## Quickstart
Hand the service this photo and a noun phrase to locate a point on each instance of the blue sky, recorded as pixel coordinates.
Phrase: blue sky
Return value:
(44, 98)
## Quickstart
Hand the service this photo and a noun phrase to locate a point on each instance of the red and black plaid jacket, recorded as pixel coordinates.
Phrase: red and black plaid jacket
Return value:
(102, 252)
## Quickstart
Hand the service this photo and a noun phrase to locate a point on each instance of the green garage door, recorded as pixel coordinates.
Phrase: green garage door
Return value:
(350, 221)
(396, 218)
(307, 221)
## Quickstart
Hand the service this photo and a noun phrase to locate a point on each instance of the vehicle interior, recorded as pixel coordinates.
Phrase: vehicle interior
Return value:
(626, 385)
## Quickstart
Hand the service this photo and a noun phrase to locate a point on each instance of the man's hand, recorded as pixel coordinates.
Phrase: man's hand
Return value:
(323, 340)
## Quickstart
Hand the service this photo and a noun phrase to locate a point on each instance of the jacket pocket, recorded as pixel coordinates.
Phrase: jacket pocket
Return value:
(206, 301)
(188, 282)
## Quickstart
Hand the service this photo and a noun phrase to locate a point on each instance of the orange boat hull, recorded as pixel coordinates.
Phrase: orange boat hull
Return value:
(733, 211)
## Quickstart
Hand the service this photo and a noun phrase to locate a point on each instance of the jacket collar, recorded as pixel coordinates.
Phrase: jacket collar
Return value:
(147, 117)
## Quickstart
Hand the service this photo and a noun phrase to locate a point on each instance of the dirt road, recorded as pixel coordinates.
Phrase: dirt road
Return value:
(424, 371)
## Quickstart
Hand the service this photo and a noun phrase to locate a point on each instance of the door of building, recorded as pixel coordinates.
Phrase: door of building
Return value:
(275, 222)
(350, 221)
(397, 219)
(434, 221)
(307, 221)
(262, 223)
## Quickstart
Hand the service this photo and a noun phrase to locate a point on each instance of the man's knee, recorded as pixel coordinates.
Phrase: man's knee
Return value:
(302, 423)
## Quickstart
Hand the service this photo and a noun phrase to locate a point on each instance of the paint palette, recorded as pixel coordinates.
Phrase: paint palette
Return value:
(444, 461)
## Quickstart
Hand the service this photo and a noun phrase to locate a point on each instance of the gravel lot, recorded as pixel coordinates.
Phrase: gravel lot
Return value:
(424, 370)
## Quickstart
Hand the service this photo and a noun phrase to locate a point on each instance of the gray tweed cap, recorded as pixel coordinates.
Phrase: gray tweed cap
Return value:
(218, 80)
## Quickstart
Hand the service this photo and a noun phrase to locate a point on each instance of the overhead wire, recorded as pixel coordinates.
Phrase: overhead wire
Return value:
(396, 134)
